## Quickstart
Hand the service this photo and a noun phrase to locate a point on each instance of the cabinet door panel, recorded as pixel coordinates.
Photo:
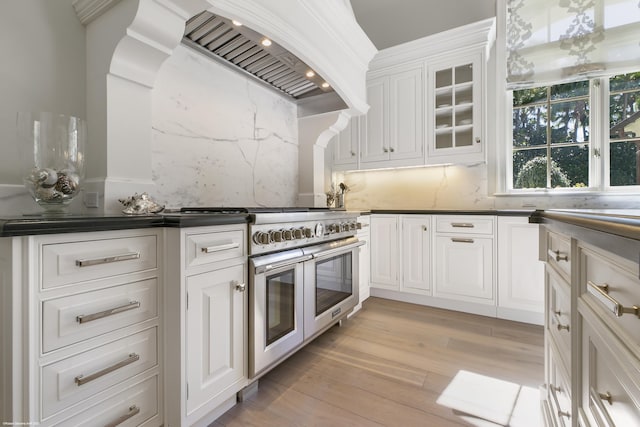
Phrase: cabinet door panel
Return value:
(373, 144)
(215, 334)
(464, 268)
(384, 251)
(416, 254)
(520, 274)
(405, 115)
(345, 144)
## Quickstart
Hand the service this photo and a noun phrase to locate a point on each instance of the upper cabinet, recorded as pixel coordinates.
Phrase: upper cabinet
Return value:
(455, 107)
(427, 103)
(392, 135)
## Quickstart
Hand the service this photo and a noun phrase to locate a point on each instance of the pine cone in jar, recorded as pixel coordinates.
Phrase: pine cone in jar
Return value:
(66, 184)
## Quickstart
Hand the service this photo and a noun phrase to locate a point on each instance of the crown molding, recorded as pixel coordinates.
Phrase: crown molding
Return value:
(475, 35)
(89, 10)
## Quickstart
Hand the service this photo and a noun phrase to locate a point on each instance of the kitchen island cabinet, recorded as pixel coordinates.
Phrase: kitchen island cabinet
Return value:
(592, 344)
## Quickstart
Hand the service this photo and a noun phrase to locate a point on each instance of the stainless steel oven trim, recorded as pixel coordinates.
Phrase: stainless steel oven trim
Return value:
(262, 357)
(272, 261)
(337, 246)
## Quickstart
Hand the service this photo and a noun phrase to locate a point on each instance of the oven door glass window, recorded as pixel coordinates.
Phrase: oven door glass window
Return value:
(280, 305)
(334, 281)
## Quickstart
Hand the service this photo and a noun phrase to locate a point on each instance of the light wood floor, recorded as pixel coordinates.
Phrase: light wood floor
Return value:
(387, 366)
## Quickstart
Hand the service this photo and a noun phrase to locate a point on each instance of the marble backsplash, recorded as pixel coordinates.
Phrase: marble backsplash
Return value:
(219, 138)
(457, 187)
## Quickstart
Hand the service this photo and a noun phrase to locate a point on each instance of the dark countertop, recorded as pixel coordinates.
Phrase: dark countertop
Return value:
(42, 224)
(619, 222)
(496, 212)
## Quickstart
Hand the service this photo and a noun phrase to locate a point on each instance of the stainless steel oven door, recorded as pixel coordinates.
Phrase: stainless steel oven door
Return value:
(331, 284)
(275, 308)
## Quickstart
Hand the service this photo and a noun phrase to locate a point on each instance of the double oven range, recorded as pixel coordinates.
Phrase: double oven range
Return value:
(303, 278)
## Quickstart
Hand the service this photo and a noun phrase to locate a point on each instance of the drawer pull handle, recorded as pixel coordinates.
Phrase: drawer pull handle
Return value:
(458, 240)
(133, 411)
(556, 388)
(557, 256)
(606, 396)
(424, 228)
(240, 287)
(561, 327)
(558, 313)
(84, 318)
(107, 260)
(602, 294)
(81, 379)
(218, 248)
(566, 414)
(462, 225)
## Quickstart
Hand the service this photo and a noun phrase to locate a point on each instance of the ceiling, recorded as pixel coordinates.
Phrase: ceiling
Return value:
(391, 22)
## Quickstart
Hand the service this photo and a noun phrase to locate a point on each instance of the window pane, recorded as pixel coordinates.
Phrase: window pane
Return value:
(529, 126)
(529, 96)
(530, 168)
(570, 166)
(570, 90)
(624, 81)
(570, 122)
(624, 163)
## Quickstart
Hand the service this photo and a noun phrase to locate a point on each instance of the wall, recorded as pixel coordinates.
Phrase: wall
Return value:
(43, 69)
(219, 138)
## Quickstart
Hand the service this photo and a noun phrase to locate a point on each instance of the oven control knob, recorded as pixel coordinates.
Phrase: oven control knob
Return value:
(298, 233)
(261, 238)
(319, 230)
(308, 233)
(276, 235)
(345, 226)
(358, 226)
(288, 234)
(334, 228)
(353, 226)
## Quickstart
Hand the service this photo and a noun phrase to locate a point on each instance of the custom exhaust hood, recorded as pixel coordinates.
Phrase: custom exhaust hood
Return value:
(245, 50)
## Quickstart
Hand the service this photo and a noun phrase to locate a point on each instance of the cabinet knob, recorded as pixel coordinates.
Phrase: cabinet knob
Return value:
(385, 149)
(561, 327)
(353, 154)
(424, 228)
(565, 414)
(240, 287)
(477, 140)
(391, 149)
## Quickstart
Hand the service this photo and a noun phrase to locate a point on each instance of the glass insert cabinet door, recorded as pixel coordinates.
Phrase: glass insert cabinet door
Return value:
(334, 281)
(280, 295)
(454, 97)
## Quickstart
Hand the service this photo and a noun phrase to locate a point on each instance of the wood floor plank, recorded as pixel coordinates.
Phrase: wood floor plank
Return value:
(387, 366)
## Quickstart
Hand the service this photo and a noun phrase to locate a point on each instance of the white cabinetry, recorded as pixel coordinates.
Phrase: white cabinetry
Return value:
(455, 108)
(384, 252)
(400, 253)
(520, 273)
(464, 262)
(346, 146)
(85, 332)
(364, 260)
(393, 132)
(206, 319)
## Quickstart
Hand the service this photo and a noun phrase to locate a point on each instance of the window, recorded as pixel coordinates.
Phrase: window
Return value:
(552, 141)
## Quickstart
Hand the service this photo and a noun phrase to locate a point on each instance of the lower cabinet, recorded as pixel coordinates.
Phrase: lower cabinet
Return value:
(206, 316)
(483, 264)
(82, 334)
(400, 253)
(592, 340)
(364, 265)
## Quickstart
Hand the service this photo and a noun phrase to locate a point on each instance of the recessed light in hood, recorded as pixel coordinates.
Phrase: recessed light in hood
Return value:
(249, 51)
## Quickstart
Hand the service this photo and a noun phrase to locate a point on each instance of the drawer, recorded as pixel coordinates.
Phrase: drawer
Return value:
(610, 383)
(559, 391)
(559, 253)
(74, 318)
(83, 375)
(559, 314)
(466, 224)
(610, 284)
(73, 262)
(217, 246)
(131, 407)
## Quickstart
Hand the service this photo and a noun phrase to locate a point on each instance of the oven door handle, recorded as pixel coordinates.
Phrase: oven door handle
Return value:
(259, 269)
(339, 249)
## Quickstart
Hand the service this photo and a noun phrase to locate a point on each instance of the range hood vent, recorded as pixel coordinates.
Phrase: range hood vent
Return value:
(241, 48)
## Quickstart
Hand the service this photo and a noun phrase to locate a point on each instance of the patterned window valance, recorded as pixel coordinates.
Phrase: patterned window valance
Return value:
(554, 41)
